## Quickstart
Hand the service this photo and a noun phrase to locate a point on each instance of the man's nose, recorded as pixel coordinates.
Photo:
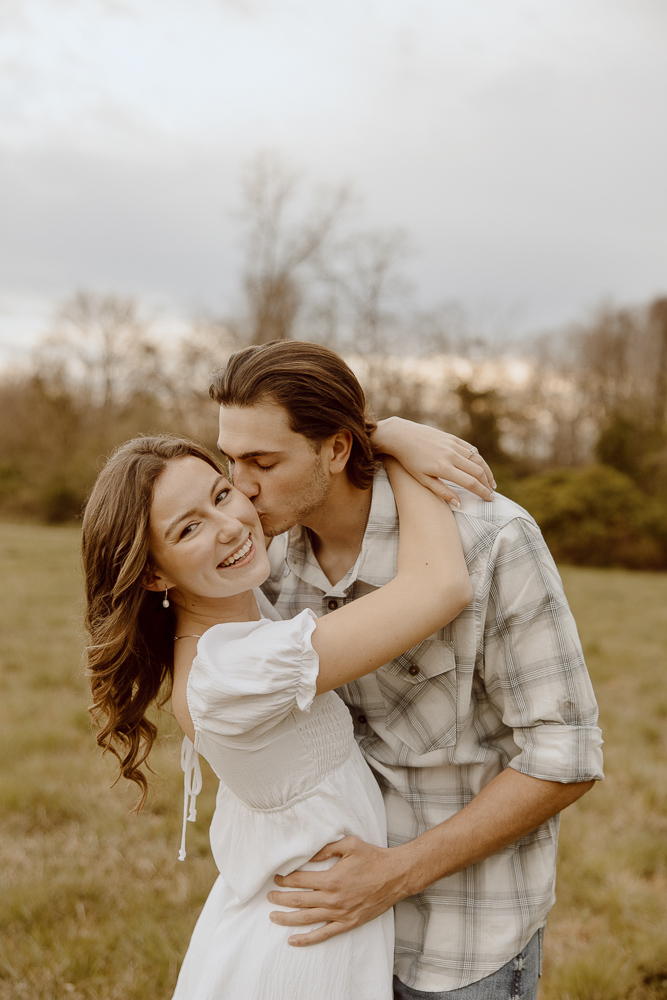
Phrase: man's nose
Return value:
(244, 480)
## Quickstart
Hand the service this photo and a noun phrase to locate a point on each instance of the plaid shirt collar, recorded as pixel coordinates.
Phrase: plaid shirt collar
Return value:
(382, 523)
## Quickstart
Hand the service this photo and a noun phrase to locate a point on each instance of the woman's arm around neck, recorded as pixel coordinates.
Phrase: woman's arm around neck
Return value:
(431, 587)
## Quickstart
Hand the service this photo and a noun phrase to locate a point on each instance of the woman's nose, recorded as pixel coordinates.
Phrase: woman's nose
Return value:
(229, 528)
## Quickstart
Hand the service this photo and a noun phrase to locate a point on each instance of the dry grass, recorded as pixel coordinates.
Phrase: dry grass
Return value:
(607, 934)
(94, 904)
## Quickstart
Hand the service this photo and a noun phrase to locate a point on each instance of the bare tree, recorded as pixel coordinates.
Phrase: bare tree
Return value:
(606, 358)
(103, 343)
(186, 376)
(364, 275)
(617, 367)
(621, 361)
(284, 238)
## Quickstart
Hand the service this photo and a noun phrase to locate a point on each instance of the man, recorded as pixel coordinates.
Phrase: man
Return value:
(478, 736)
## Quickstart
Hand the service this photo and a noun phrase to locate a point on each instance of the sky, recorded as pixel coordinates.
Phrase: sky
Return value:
(521, 144)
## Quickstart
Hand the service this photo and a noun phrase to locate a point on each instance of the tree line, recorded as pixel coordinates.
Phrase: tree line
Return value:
(575, 425)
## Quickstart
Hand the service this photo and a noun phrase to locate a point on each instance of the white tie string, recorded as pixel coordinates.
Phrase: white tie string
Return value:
(192, 782)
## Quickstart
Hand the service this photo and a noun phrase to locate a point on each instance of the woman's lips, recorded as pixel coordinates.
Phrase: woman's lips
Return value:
(240, 556)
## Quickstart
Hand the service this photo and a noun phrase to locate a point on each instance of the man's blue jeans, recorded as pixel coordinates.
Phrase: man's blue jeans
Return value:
(515, 981)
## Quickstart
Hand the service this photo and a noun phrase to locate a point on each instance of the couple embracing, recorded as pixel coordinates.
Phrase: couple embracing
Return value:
(396, 718)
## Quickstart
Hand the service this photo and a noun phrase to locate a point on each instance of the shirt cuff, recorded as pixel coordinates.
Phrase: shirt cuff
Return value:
(559, 753)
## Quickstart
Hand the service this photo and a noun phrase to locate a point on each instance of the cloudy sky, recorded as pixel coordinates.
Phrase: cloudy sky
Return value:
(521, 143)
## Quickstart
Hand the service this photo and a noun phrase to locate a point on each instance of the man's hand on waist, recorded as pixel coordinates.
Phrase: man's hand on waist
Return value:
(363, 884)
(368, 880)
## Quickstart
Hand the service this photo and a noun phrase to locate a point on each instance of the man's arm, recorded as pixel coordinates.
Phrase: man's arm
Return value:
(368, 880)
(534, 675)
(431, 456)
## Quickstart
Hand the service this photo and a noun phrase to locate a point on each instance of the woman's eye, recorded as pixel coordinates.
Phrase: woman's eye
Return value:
(187, 530)
(222, 495)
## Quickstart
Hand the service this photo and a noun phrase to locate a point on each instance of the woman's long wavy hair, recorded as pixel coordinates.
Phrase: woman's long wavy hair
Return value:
(131, 651)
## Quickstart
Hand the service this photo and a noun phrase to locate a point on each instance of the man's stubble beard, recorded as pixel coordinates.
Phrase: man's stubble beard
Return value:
(313, 496)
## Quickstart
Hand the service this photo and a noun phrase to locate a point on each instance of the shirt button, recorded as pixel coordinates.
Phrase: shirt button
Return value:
(332, 604)
(413, 669)
(362, 720)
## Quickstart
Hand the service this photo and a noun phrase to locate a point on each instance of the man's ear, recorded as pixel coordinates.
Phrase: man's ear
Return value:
(340, 447)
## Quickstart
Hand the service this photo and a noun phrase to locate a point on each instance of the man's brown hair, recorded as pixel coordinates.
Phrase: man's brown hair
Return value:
(313, 384)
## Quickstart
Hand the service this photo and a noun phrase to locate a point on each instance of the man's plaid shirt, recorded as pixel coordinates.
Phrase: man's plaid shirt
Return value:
(505, 684)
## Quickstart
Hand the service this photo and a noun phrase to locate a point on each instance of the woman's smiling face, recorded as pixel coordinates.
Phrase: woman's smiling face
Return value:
(205, 537)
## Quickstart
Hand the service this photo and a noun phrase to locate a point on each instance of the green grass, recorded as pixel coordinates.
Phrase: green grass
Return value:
(94, 904)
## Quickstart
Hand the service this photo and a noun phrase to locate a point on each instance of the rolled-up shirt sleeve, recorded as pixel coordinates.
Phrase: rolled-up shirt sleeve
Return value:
(534, 669)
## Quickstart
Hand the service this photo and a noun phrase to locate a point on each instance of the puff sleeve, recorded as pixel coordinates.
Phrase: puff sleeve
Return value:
(248, 676)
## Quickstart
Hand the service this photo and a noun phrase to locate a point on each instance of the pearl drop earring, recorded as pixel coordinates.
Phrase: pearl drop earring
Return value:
(165, 602)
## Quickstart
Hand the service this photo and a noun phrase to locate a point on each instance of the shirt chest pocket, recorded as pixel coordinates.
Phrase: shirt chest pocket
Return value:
(419, 692)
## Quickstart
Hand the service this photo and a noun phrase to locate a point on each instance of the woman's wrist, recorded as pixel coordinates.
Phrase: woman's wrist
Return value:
(386, 434)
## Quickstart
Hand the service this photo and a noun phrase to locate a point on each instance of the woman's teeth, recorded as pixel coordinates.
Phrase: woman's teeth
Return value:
(239, 554)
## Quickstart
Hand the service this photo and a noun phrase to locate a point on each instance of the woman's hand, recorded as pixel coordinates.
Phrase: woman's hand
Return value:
(431, 456)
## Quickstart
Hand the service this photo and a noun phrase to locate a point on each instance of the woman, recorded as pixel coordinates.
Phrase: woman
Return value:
(173, 555)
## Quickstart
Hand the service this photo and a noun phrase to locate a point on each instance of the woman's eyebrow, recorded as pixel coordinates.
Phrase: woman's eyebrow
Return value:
(193, 510)
(177, 520)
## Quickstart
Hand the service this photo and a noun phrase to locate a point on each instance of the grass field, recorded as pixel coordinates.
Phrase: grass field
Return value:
(94, 904)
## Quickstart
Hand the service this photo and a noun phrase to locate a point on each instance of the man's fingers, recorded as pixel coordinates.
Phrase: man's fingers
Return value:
(320, 934)
(311, 897)
(335, 850)
(299, 880)
(299, 918)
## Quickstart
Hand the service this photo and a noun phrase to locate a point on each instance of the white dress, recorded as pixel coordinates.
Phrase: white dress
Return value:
(292, 779)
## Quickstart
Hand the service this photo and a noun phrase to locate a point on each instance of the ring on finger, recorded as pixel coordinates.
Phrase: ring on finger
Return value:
(473, 451)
